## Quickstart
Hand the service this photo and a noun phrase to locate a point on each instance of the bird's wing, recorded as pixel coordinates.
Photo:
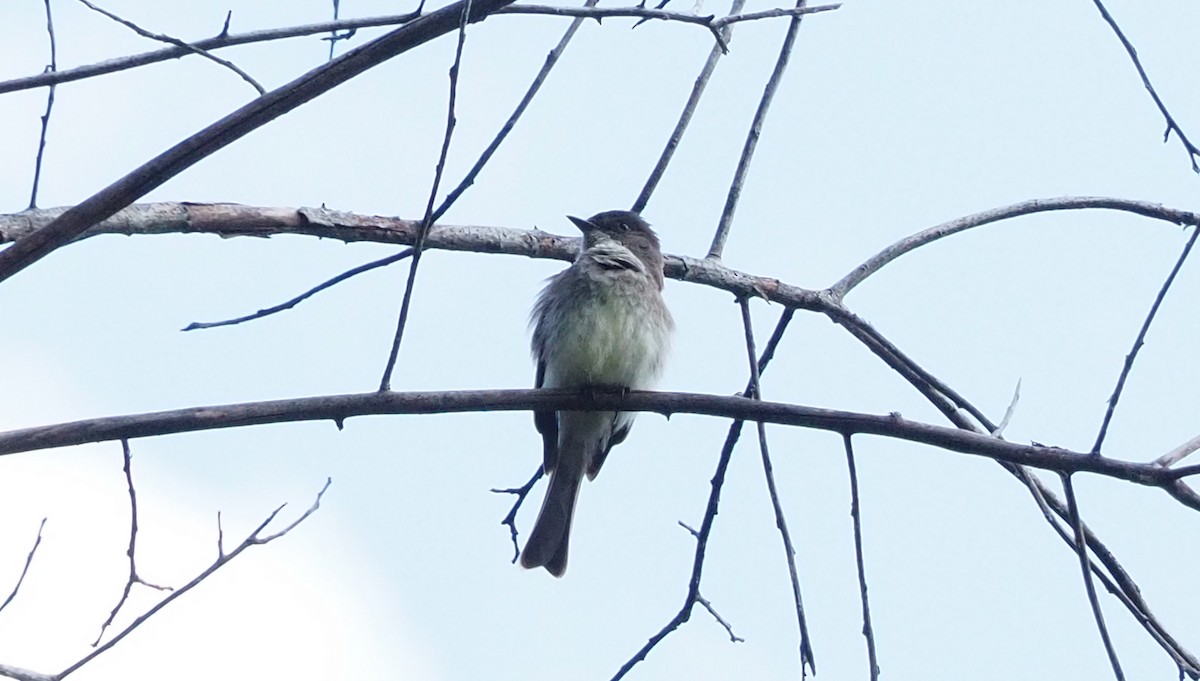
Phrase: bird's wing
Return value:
(547, 425)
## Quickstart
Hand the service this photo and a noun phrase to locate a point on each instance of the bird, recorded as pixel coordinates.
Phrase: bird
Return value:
(600, 323)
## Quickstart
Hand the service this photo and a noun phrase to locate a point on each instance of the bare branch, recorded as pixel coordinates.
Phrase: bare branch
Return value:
(1172, 126)
(25, 570)
(538, 80)
(998, 431)
(710, 514)
(163, 38)
(53, 66)
(733, 638)
(289, 304)
(1179, 453)
(1085, 566)
(689, 110)
(385, 383)
(760, 116)
(257, 113)
(807, 658)
(224, 39)
(867, 631)
(1141, 339)
(511, 519)
(338, 408)
(712, 23)
(24, 674)
(253, 539)
(910, 243)
(133, 578)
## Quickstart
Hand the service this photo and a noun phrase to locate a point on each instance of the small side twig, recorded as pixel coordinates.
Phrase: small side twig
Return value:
(1085, 566)
(807, 658)
(163, 38)
(333, 35)
(998, 431)
(511, 519)
(133, 577)
(1141, 339)
(1179, 453)
(760, 115)
(221, 40)
(385, 383)
(855, 515)
(289, 304)
(25, 570)
(255, 538)
(51, 68)
(733, 638)
(1172, 125)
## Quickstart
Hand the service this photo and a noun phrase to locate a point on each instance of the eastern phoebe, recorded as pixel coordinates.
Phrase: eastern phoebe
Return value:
(601, 322)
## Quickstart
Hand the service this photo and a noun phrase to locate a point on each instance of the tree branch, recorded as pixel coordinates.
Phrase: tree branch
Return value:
(257, 113)
(338, 408)
(911, 243)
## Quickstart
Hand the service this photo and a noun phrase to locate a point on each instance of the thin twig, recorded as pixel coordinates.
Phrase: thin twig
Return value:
(1085, 566)
(867, 631)
(807, 658)
(1141, 339)
(25, 570)
(714, 24)
(223, 558)
(1179, 453)
(710, 513)
(385, 382)
(685, 117)
(163, 38)
(511, 519)
(538, 80)
(1129, 596)
(223, 39)
(760, 116)
(51, 68)
(998, 431)
(333, 35)
(1190, 148)
(950, 403)
(133, 577)
(733, 638)
(287, 305)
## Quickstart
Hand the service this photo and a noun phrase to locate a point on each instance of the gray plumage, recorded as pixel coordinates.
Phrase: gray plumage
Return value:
(601, 322)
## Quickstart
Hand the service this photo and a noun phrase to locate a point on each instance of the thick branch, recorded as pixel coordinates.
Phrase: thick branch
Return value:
(236, 220)
(338, 408)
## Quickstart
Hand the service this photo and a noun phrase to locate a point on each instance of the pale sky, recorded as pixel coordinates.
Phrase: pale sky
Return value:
(893, 117)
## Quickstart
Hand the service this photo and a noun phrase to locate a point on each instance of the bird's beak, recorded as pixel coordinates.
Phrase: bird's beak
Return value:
(583, 225)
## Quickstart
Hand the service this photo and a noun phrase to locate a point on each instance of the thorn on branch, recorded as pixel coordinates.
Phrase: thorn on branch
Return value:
(689, 528)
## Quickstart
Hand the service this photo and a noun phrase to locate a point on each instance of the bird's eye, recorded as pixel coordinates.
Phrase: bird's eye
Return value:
(621, 226)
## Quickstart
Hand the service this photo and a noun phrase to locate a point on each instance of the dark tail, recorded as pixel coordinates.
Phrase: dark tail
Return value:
(547, 545)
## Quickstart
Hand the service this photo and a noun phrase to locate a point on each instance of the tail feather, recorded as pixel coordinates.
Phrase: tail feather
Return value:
(547, 545)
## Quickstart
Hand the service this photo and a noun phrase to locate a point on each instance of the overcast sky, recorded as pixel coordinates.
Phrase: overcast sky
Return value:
(893, 117)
